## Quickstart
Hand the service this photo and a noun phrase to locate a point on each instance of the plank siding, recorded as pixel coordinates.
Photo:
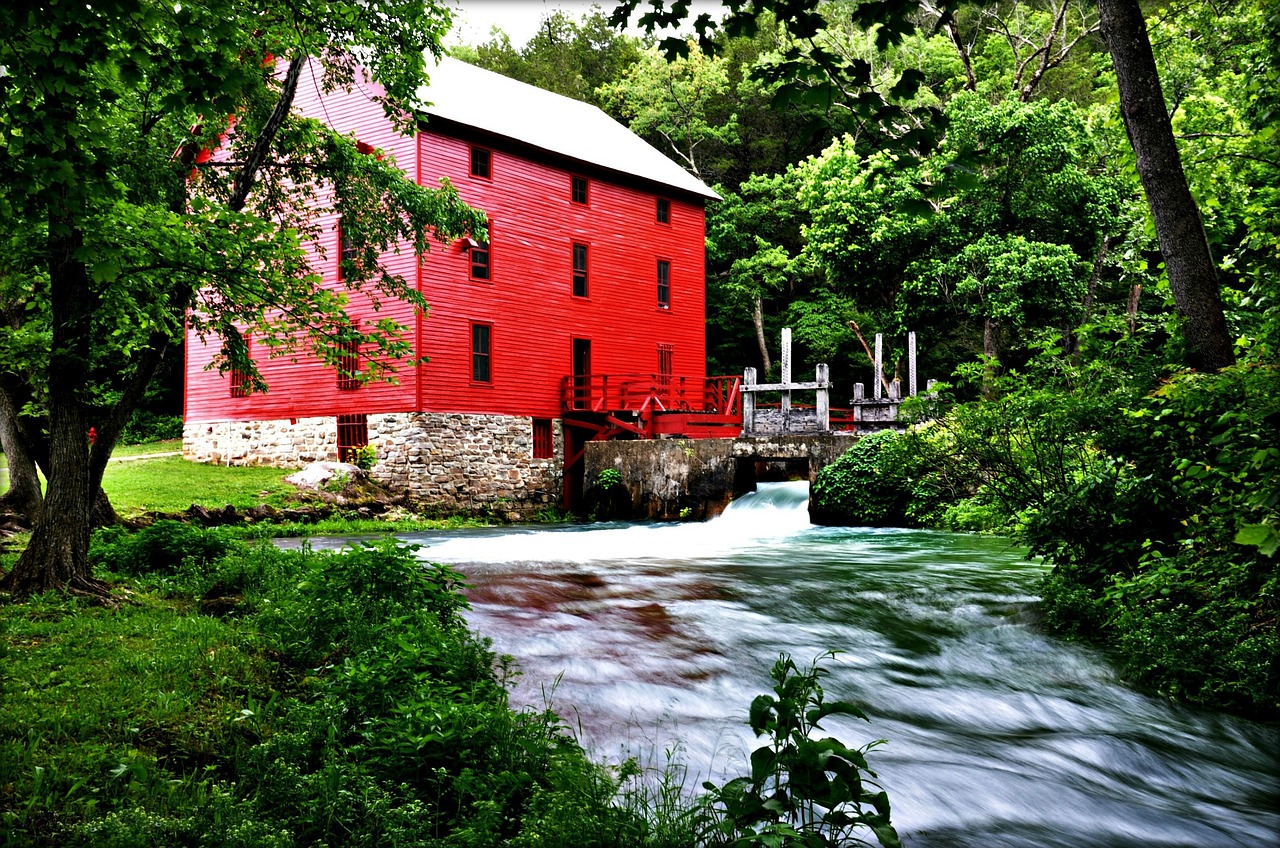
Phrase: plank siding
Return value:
(527, 300)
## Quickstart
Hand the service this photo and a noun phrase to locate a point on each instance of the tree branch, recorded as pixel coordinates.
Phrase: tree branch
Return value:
(266, 137)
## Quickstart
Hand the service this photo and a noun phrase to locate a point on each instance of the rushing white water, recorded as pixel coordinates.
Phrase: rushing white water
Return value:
(998, 735)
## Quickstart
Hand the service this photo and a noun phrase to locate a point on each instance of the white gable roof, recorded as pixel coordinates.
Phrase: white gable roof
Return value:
(491, 102)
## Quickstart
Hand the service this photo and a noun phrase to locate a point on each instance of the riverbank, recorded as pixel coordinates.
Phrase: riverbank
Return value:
(265, 698)
(1155, 507)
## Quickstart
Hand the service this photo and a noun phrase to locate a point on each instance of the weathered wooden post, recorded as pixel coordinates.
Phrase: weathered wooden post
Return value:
(786, 379)
(824, 398)
(748, 400)
(879, 365)
(911, 363)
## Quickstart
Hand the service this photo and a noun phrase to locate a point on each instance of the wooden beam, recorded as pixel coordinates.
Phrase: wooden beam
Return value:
(778, 387)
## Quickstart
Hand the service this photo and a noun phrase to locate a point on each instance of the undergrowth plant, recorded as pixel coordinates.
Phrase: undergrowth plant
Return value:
(804, 791)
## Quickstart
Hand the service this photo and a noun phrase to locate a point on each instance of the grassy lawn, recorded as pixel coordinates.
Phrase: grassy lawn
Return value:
(171, 484)
(147, 447)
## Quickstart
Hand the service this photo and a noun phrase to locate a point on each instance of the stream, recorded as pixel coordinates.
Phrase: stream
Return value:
(652, 639)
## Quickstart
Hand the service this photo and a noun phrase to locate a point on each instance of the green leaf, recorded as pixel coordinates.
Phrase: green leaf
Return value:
(1261, 536)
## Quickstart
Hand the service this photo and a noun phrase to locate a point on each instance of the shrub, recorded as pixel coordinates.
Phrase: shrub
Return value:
(145, 426)
(161, 548)
(343, 600)
(803, 791)
(885, 479)
(364, 457)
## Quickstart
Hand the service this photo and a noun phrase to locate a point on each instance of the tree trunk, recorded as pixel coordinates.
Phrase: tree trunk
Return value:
(101, 512)
(57, 556)
(1192, 275)
(991, 347)
(757, 318)
(25, 496)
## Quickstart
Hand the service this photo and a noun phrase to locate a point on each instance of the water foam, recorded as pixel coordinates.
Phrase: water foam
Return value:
(773, 512)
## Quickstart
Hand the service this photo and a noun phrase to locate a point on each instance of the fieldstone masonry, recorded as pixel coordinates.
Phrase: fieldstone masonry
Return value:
(465, 461)
(453, 461)
(284, 443)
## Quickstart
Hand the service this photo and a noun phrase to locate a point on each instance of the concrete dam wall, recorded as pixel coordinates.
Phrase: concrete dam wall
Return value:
(693, 479)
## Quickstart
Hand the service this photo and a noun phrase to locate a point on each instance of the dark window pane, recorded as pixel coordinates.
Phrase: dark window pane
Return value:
(353, 433)
(580, 270)
(480, 262)
(543, 440)
(664, 211)
(480, 356)
(664, 284)
(480, 162)
(579, 190)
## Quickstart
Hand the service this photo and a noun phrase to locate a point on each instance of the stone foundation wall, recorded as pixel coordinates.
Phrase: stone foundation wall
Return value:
(465, 461)
(454, 461)
(284, 443)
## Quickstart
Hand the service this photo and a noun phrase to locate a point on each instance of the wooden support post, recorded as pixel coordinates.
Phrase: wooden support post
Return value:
(911, 363)
(824, 398)
(748, 401)
(786, 377)
(879, 364)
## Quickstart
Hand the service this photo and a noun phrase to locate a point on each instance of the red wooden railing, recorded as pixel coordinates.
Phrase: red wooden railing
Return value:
(651, 393)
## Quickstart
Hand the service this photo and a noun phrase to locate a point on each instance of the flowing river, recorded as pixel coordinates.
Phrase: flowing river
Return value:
(997, 734)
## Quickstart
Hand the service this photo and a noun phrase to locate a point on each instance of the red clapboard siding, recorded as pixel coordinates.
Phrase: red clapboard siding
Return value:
(528, 300)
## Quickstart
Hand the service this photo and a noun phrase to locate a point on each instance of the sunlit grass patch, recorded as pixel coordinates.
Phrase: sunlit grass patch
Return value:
(171, 484)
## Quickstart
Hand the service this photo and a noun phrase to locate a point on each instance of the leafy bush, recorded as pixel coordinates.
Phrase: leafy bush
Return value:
(159, 549)
(803, 792)
(885, 479)
(856, 489)
(609, 478)
(145, 426)
(344, 600)
(407, 727)
(364, 457)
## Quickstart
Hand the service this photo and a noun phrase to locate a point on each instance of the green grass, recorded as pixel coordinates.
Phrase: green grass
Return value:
(101, 705)
(147, 447)
(171, 484)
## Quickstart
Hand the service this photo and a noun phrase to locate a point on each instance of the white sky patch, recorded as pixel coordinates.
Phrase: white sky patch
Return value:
(519, 19)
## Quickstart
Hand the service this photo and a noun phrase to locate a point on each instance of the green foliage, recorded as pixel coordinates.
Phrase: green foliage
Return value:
(609, 478)
(161, 548)
(364, 457)
(120, 236)
(886, 479)
(803, 791)
(145, 426)
(1156, 510)
(681, 105)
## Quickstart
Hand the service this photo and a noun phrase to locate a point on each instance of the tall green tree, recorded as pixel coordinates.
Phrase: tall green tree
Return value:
(124, 226)
(812, 71)
(570, 57)
(1193, 275)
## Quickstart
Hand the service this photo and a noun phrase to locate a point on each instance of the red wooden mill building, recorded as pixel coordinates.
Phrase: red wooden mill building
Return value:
(583, 317)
